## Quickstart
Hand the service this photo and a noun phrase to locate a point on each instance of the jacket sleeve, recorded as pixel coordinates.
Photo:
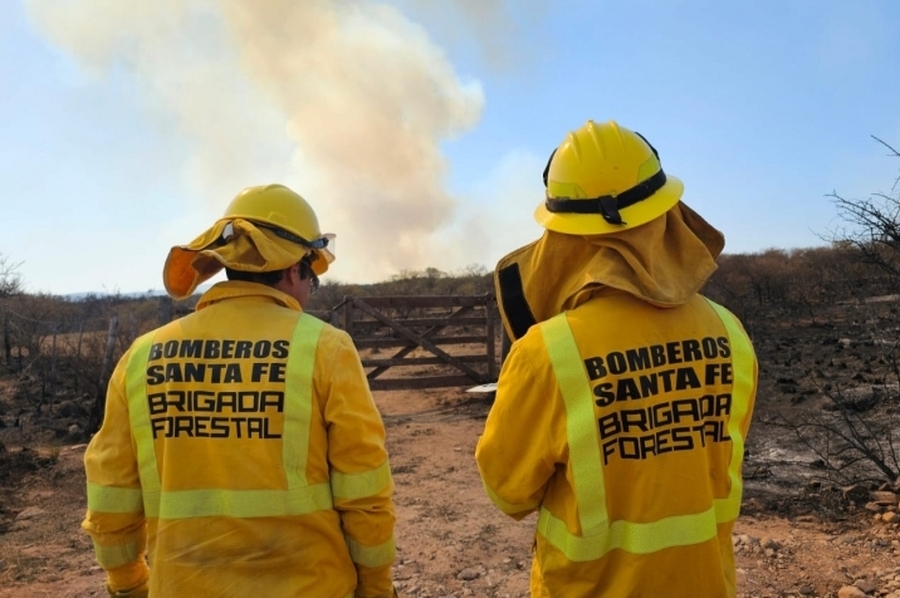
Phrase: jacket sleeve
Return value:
(517, 453)
(361, 480)
(115, 513)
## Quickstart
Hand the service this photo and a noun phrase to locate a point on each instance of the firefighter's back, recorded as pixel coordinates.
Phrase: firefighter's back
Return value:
(223, 420)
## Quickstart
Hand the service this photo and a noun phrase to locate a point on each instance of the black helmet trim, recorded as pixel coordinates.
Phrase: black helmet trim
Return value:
(320, 243)
(228, 232)
(547, 167)
(608, 206)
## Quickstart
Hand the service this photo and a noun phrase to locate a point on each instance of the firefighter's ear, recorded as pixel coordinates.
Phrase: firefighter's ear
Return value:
(292, 274)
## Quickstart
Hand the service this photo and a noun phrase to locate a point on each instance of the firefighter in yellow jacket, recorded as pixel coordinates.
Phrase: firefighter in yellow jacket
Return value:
(241, 453)
(623, 406)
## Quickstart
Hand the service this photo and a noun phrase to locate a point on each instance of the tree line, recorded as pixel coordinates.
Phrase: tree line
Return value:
(57, 350)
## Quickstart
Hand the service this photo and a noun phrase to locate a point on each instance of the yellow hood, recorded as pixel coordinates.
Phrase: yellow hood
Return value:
(664, 262)
(234, 243)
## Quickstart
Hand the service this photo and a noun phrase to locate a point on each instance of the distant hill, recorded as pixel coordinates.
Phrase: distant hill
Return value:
(148, 294)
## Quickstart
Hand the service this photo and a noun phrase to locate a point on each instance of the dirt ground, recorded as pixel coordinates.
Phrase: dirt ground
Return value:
(798, 535)
(451, 540)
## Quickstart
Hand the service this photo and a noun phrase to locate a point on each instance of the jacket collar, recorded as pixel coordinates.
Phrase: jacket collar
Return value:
(239, 289)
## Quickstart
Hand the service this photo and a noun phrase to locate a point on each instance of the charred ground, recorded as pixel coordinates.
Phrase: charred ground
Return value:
(810, 522)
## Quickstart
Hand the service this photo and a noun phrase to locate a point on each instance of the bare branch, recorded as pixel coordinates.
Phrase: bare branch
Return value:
(10, 279)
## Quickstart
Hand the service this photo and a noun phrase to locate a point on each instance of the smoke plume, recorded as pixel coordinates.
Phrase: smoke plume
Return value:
(346, 101)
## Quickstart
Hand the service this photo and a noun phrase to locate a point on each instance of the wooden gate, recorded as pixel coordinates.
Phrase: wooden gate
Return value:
(436, 341)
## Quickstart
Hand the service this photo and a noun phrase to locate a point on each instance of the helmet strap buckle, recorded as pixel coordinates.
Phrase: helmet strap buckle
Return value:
(609, 209)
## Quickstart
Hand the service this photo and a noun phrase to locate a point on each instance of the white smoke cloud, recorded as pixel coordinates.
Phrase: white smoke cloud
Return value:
(509, 198)
(346, 102)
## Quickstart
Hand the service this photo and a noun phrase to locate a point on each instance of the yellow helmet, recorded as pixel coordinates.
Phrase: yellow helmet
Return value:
(286, 214)
(277, 206)
(264, 229)
(602, 179)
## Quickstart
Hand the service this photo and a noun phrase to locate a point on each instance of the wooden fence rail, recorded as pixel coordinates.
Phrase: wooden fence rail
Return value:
(410, 342)
(419, 331)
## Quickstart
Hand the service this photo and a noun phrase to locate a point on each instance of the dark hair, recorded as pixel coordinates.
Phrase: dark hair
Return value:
(267, 278)
(273, 277)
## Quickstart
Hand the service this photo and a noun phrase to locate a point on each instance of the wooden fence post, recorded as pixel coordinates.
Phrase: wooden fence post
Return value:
(347, 316)
(79, 357)
(490, 316)
(53, 357)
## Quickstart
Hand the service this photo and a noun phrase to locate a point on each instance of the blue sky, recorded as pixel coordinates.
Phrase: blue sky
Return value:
(419, 130)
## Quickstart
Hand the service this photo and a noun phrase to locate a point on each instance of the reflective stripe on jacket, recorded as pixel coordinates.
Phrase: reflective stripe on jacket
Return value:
(255, 458)
(635, 466)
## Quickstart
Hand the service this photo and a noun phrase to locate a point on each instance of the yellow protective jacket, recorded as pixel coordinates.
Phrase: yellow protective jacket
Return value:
(242, 453)
(621, 418)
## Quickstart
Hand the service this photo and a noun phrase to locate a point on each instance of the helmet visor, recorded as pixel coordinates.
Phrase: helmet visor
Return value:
(325, 251)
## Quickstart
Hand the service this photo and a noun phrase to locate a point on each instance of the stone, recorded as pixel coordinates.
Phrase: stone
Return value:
(884, 497)
(468, 574)
(29, 512)
(866, 585)
(851, 592)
